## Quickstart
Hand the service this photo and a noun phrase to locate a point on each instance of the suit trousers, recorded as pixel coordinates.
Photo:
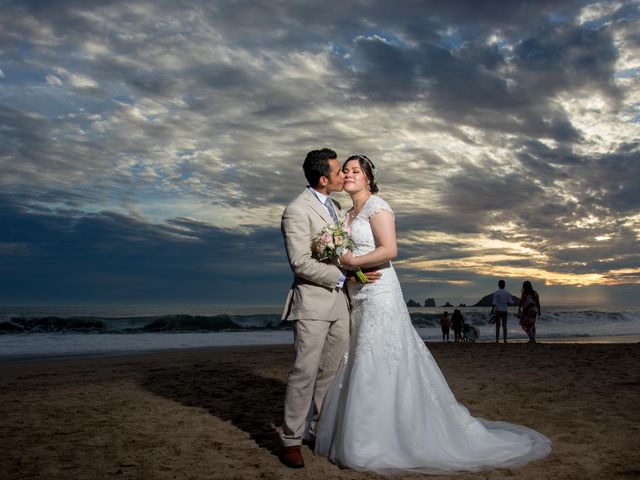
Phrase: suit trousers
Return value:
(319, 346)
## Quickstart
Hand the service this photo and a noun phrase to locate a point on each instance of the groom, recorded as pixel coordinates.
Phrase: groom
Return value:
(317, 303)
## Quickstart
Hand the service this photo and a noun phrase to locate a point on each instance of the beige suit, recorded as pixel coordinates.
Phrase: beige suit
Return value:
(319, 310)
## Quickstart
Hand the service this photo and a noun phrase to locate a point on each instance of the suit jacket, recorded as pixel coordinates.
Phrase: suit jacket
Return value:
(313, 295)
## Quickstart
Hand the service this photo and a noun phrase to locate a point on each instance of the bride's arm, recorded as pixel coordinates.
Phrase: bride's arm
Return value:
(383, 227)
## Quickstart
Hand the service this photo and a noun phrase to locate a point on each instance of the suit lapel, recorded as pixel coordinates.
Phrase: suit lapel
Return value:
(316, 206)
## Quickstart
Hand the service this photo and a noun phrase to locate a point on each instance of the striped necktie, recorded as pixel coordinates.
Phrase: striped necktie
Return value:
(329, 204)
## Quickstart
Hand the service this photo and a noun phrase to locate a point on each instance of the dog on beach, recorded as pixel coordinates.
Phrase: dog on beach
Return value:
(469, 333)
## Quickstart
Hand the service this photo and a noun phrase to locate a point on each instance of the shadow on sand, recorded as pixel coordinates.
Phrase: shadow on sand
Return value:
(252, 403)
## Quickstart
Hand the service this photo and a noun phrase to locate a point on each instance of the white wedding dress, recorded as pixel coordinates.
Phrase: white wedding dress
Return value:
(390, 410)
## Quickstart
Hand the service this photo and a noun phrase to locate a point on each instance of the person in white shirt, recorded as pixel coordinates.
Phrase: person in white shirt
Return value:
(501, 300)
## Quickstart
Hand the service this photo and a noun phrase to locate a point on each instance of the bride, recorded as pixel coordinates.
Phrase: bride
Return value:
(390, 410)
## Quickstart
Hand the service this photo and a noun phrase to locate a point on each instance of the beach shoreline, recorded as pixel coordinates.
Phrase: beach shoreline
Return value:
(216, 412)
(604, 339)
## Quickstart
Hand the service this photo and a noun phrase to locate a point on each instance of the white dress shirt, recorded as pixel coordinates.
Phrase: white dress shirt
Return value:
(501, 300)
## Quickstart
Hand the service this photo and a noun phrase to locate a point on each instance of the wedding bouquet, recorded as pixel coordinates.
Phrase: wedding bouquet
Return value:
(333, 241)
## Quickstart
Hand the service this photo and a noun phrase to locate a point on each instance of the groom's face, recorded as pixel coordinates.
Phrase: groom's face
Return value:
(336, 177)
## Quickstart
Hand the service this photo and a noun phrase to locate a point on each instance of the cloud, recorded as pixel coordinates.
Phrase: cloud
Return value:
(495, 121)
(112, 258)
(53, 80)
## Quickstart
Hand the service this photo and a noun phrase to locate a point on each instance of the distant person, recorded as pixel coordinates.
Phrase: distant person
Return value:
(445, 323)
(457, 323)
(529, 310)
(501, 300)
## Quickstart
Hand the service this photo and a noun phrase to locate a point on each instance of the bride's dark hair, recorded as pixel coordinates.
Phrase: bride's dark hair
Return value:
(369, 169)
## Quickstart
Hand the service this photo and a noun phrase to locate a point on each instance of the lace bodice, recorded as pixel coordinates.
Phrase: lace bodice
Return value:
(371, 303)
(361, 228)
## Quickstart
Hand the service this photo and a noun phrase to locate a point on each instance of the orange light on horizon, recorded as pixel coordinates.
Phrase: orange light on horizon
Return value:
(491, 265)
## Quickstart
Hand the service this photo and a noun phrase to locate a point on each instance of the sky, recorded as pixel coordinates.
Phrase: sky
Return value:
(148, 148)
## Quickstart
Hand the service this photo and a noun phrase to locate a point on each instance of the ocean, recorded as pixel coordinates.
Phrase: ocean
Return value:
(29, 332)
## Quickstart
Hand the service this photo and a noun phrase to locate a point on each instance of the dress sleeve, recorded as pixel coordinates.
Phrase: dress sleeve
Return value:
(376, 205)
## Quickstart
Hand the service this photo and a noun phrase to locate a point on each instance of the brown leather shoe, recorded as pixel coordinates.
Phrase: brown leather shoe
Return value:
(292, 457)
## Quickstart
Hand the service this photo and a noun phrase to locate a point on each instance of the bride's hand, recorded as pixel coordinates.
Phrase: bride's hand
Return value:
(346, 260)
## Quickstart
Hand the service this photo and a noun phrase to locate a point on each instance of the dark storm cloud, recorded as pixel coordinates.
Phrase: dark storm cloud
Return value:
(479, 84)
(466, 193)
(22, 135)
(567, 57)
(613, 179)
(110, 257)
(603, 183)
(142, 113)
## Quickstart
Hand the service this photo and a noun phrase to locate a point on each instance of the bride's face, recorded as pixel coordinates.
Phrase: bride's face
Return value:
(355, 180)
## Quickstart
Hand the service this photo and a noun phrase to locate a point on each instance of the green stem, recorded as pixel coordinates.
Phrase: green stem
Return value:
(361, 276)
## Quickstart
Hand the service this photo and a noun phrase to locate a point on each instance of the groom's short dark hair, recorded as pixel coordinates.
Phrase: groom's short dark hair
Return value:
(316, 165)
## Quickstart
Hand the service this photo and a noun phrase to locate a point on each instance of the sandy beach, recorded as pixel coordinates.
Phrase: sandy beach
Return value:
(216, 413)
